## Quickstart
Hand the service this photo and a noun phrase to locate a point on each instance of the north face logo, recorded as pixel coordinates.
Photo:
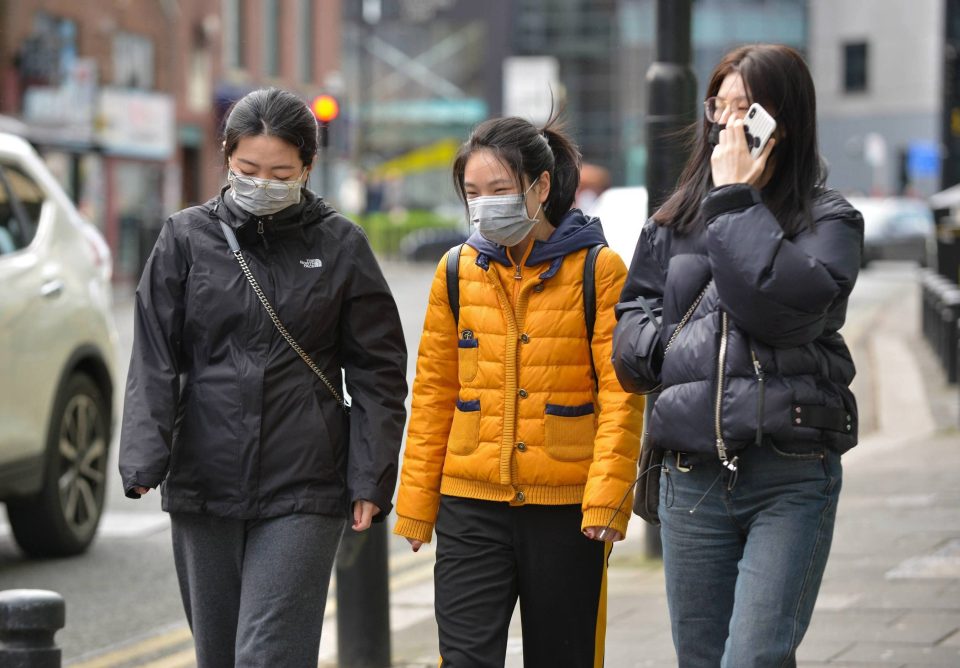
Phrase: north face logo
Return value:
(311, 264)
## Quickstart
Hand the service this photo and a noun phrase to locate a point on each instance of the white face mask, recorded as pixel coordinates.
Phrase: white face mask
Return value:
(264, 197)
(502, 219)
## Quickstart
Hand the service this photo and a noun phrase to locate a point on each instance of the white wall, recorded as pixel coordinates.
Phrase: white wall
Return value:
(905, 53)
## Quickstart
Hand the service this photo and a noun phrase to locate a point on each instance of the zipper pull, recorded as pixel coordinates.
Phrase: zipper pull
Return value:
(517, 275)
(756, 366)
(260, 226)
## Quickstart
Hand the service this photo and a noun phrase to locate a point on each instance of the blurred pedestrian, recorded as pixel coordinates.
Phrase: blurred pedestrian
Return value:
(259, 459)
(749, 263)
(522, 447)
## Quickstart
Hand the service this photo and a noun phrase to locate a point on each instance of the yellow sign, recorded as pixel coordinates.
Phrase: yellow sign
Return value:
(438, 155)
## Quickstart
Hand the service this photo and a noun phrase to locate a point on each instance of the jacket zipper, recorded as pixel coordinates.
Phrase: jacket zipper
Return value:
(511, 385)
(260, 226)
(721, 363)
(761, 385)
(516, 285)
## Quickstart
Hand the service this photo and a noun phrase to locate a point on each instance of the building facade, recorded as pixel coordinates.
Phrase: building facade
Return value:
(125, 98)
(878, 68)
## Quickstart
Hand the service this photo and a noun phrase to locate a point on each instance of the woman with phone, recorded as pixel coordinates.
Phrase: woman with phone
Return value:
(741, 279)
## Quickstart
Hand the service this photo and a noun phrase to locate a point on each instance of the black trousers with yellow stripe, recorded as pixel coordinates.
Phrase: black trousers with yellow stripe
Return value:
(489, 554)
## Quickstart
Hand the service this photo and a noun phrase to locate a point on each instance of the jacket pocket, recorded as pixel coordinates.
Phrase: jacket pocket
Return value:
(468, 356)
(569, 432)
(465, 430)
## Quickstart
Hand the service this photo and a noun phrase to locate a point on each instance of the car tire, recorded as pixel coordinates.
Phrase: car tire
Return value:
(62, 519)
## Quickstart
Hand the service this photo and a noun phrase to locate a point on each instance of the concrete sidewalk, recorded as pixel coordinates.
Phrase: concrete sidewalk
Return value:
(891, 592)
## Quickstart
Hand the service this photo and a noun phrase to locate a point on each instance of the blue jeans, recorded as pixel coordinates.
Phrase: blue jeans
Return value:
(743, 570)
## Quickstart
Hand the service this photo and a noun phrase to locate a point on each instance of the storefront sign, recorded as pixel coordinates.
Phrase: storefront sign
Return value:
(136, 123)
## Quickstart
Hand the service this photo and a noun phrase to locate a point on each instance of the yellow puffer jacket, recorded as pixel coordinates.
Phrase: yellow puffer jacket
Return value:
(504, 405)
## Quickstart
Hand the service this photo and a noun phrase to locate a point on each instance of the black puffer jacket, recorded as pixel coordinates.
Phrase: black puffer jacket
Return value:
(760, 358)
(221, 409)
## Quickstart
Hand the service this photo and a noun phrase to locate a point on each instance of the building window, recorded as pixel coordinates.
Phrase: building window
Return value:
(234, 29)
(305, 43)
(271, 38)
(132, 61)
(855, 67)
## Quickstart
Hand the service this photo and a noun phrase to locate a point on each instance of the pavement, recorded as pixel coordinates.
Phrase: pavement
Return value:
(891, 591)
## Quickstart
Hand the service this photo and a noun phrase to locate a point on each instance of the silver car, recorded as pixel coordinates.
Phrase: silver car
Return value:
(57, 358)
(897, 228)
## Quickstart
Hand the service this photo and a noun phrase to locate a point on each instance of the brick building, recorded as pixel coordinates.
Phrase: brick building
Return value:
(124, 98)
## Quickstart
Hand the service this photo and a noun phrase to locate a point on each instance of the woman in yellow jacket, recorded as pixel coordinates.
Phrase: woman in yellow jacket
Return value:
(522, 446)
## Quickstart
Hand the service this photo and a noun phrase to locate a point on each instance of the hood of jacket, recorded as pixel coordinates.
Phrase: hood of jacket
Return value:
(575, 232)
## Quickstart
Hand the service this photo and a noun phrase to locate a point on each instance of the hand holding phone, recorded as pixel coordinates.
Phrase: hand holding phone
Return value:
(758, 126)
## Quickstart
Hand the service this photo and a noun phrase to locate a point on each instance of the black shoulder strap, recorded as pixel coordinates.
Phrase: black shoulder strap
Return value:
(453, 281)
(590, 289)
(590, 300)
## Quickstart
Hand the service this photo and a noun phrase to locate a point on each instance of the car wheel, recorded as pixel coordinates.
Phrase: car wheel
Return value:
(62, 519)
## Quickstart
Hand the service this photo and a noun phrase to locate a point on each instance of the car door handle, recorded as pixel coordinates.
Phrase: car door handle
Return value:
(52, 289)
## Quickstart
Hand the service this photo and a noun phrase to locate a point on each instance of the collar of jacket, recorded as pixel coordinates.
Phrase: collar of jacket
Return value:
(310, 209)
(575, 231)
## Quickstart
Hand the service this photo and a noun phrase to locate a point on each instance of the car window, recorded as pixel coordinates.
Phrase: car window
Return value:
(911, 222)
(21, 201)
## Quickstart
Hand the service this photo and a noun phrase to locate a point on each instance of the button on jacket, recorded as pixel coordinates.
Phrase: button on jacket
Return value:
(760, 359)
(221, 409)
(505, 405)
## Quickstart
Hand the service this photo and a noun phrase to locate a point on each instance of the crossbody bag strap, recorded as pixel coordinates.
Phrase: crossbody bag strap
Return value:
(235, 249)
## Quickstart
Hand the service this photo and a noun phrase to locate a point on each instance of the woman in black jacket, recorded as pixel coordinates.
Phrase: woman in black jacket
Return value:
(259, 462)
(732, 308)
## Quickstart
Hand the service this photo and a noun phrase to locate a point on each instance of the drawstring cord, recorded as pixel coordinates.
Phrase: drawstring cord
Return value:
(618, 510)
(731, 482)
(669, 492)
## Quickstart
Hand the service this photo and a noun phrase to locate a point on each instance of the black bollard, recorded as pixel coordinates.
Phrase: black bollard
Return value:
(363, 599)
(671, 107)
(29, 618)
(949, 313)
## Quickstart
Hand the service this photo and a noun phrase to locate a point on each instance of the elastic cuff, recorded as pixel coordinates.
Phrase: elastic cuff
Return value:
(414, 529)
(599, 517)
(734, 197)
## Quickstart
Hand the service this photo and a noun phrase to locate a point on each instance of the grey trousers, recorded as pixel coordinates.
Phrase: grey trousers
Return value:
(255, 590)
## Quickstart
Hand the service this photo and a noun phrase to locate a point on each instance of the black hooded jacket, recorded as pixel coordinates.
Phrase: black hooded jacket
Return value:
(218, 406)
(760, 358)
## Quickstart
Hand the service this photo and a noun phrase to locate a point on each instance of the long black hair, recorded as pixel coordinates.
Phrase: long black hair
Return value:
(776, 77)
(276, 113)
(527, 151)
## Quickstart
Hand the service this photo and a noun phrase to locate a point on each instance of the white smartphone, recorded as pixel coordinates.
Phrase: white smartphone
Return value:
(758, 125)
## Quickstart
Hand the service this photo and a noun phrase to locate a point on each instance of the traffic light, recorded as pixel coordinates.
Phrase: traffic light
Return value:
(325, 108)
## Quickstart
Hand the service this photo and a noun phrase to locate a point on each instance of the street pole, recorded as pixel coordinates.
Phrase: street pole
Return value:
(671, 108)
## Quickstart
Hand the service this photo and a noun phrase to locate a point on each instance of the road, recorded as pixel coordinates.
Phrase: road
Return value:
(123, 605)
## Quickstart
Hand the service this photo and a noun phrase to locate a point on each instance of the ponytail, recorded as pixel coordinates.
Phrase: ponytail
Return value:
(565, 175)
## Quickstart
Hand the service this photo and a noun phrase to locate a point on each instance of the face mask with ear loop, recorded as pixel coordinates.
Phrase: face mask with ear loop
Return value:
(502, 219)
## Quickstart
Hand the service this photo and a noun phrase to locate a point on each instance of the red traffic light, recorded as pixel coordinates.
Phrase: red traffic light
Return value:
(325, 108)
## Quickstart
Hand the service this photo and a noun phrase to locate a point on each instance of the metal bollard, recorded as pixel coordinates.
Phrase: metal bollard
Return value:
(939, 288)
(949, 313)
(928, 300)
(29, 618)
(363, 599)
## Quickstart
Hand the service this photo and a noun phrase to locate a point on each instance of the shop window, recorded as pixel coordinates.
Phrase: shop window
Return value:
(271, 38)
(132, 61)
(21, 201)
(855, 67)
(305, 43)
(234, 31)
